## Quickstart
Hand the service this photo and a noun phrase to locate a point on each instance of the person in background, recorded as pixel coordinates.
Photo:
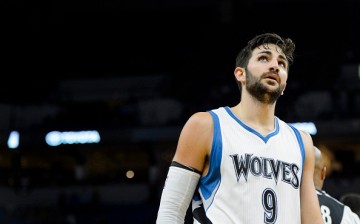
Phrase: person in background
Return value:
(332, 210)
(243, 164)
(353, 201)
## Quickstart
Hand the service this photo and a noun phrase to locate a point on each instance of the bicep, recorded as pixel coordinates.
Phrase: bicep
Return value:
(309, 162)
(195, 141)
(310, 208)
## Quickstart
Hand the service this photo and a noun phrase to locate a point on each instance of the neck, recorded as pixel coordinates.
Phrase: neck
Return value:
(254, 110)
(256, 115)
(318, 186)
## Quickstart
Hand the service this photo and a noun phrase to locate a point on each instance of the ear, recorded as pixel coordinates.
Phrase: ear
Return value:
(323, 173)
(240, 74)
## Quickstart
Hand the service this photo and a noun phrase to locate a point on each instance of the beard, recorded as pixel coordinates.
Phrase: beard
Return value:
(261, 92)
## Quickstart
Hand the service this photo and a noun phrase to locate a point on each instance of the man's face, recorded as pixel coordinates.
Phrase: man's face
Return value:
(266, 73)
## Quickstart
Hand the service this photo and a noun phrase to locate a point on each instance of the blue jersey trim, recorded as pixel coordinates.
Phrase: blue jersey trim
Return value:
(263, 138)
(210, 182)
(301, 144)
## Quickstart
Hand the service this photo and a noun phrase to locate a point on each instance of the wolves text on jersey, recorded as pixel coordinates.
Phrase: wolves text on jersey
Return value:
(266, 167)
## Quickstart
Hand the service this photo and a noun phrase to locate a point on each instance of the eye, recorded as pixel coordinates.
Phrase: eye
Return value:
(282, 64)
(263, 58)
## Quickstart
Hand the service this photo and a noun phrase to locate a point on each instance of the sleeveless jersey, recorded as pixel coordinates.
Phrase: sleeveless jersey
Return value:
(335, 212)
(252, 179)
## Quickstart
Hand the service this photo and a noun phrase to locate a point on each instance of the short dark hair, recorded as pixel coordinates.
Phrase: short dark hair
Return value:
(353, 201)
(285, 44)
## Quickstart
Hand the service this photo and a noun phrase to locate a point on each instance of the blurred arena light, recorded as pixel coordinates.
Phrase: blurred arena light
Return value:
(55, 138)
(13, 140)
(309, 127)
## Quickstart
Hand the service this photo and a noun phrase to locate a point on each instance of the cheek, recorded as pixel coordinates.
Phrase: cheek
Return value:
(283, 77)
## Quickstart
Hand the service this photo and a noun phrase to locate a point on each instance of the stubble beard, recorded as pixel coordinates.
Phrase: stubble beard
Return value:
(261, 92)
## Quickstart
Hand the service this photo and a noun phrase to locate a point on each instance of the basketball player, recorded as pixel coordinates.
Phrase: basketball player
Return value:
(353, 201)
(332, 210)
(243, 163)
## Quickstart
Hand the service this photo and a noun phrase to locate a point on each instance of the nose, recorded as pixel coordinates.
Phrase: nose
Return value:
(275, 66)
(275, 69)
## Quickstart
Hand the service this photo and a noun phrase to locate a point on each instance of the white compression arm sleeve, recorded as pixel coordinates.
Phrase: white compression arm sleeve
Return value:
(176, 196)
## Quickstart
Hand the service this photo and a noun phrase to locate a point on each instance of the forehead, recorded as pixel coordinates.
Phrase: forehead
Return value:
(270, 48)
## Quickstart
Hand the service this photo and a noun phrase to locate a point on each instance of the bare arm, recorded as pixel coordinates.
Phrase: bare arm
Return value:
(195, 141)
(184, 173)
(310, 209)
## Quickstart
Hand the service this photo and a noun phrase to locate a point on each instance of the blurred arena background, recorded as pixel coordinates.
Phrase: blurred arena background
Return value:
(133, 72)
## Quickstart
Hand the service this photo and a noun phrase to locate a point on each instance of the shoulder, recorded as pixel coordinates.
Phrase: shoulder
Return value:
(205, 120)
(200, 120)
(306, 137)
(198, 130)
(195, 141)
(308, 143)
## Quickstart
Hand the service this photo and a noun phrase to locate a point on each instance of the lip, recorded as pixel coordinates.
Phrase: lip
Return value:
(272, 76)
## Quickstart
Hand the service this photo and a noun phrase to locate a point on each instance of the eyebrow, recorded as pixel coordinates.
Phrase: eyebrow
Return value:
(269, 53)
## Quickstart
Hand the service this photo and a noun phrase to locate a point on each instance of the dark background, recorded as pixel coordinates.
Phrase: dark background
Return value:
(135, 71)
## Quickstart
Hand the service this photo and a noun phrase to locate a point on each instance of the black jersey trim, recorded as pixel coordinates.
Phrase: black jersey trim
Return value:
(176, 164)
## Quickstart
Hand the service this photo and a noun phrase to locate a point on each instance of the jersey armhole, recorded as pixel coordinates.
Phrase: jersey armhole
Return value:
(301, 145)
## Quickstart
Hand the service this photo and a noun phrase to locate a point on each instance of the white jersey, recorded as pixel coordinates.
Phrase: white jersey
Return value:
(252, 178)
(334, 211)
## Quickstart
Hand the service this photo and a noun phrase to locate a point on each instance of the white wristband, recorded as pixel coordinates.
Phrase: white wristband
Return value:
(176, 196)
